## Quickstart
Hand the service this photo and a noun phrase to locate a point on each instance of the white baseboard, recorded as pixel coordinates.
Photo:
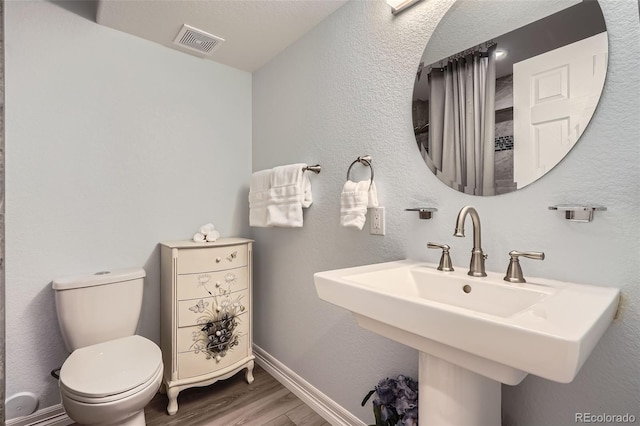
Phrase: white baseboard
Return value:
(331, 411)
(50, 416)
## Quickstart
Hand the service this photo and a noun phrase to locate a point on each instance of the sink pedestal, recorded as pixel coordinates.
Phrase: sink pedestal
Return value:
(450, 395)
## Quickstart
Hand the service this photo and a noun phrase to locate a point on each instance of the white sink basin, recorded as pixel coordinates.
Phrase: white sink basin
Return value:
(497, 329)
(478, 295)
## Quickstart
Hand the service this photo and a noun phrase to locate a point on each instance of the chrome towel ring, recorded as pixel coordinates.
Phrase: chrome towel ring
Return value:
(364, 160)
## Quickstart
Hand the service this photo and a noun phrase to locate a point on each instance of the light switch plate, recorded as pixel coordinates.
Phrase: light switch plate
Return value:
(376, 221)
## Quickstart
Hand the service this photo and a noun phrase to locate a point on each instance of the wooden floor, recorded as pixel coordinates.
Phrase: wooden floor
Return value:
(231, 402)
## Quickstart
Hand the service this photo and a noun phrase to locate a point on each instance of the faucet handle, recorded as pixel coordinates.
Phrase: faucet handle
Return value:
(445, 259)
(514, 271)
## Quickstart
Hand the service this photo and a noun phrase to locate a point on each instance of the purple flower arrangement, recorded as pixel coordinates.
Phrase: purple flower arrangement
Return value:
(397, 402)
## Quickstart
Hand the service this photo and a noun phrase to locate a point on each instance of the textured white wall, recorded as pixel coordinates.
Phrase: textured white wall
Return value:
(113, 144)
(345, 90)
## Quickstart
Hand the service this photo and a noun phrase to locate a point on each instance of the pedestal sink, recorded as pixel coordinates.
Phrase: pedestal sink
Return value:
(473, 333)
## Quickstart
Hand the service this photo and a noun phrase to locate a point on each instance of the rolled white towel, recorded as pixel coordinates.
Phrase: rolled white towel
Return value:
(199, 238)
(212, 236)
(205, 229)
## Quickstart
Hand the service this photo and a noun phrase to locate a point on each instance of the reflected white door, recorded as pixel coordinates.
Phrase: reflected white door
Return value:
(554, 97)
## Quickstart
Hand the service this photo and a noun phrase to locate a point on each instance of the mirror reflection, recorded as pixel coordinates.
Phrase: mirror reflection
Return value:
(494, 112)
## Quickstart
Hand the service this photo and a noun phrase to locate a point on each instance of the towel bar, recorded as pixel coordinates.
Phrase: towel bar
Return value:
(315, 169)
(364, 160)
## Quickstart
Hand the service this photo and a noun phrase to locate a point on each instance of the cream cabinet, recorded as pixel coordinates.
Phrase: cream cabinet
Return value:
(205, 313)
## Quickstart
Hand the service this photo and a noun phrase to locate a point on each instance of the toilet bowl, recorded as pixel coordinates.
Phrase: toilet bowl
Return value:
(110, 383)
(112, 373)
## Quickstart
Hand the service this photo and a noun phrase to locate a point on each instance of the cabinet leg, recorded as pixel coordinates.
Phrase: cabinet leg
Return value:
(172, 394)
(249, 374)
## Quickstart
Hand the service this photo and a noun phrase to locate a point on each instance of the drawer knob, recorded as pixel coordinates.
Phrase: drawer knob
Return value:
(218, 259)
(217, 283)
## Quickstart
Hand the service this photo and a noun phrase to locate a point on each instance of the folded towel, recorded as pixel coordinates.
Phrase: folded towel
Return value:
(258, 197)
(290, 191)
(199, 238)
(356, 197)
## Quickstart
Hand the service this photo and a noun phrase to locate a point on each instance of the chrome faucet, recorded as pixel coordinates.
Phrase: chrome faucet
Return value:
(476, 268)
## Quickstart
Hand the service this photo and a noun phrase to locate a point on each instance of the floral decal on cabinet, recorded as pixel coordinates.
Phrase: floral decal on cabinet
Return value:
(219, 321)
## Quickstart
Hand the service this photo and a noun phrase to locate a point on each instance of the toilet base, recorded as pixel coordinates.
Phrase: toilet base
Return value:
(137, 419)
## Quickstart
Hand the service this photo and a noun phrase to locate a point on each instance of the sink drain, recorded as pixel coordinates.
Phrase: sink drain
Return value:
(466, 288)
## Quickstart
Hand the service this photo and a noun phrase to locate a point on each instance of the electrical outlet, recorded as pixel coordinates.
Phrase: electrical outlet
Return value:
(376, 218)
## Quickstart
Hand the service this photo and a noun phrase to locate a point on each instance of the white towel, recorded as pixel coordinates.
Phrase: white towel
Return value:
(290, 191)
(205, 229)
(199, 238)
(259, 197)
(356, 197)
(212, 236)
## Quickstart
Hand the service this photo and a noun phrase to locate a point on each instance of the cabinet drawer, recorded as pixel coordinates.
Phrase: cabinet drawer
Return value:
(191, 286)
(193, 338)
(193, 363)
(199, 311)
(211, 259)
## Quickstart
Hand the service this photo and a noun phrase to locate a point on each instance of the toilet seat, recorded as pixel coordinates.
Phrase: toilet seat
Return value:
(111, 370)
(111, 398)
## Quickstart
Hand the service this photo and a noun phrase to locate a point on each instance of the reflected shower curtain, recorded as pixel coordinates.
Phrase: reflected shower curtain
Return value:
(462, 122)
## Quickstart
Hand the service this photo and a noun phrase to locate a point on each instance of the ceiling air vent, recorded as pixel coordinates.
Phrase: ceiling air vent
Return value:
(197, 40)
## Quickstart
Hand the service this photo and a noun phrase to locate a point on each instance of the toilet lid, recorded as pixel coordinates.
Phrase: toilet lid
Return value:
(112, 367)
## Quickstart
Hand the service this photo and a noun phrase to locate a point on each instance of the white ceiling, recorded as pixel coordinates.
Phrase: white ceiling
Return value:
(254, 31)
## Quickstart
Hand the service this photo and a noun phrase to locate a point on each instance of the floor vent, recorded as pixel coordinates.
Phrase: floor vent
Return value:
(197, 40)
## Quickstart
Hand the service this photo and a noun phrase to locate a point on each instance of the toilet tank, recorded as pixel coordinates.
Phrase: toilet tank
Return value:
(100, 307)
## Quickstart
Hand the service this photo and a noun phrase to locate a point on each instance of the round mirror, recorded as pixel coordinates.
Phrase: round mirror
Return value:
(505, 89)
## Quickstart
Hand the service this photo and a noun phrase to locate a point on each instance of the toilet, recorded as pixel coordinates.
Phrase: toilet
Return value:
(111, 374)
